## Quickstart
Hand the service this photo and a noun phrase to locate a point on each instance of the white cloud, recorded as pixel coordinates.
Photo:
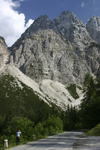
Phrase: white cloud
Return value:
(12, 23)
(29, 23)
(83, 4)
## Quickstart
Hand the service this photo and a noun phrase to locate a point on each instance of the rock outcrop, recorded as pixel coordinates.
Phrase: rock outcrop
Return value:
(3, 53)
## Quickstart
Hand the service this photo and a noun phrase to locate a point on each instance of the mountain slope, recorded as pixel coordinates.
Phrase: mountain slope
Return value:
(46, 90)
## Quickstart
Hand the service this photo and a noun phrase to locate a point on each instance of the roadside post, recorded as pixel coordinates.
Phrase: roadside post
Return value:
(33, 137)
(5, 143)
(92, 131)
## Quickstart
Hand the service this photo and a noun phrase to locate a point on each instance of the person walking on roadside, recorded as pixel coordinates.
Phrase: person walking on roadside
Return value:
(18, 137)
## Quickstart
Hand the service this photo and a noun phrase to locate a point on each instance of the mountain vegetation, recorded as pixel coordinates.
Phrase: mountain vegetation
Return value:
(90, 106)
(21, 109)
(72, 90)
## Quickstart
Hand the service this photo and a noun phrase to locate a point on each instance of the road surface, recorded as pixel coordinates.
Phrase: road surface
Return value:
(63, 141)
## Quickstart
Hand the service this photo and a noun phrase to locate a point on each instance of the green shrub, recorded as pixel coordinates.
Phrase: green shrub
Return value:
(46, 131)
(94, 131)
(48, 127)
(97, 130)
(72, 90)
(54, 122)
(39, 129)
(92, 44)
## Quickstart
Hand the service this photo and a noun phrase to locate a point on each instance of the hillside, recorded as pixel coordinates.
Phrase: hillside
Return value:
(15, 85)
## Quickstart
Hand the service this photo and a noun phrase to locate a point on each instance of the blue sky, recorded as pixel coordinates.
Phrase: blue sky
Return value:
(17, 15)
(83, 9)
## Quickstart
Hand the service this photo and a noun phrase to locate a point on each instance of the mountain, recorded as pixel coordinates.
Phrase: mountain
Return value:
(51, 58)
(60, 50)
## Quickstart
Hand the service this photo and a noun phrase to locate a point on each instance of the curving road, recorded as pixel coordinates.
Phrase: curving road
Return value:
(63, 141)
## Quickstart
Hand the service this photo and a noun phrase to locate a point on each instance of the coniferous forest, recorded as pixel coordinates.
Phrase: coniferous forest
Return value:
(22, 109)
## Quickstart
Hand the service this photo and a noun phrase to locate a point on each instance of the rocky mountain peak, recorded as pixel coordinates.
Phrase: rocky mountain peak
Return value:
(66, 13)
(41, 23)
(67, 25)
(73, 29)
(43, 17)
(59, 50)
(93, 27)
(69, 18)
(95, 22)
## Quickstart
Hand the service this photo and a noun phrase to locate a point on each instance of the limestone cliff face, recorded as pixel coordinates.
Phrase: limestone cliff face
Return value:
(93, 27)
(73, 29)
(3, 52)
(61, 50)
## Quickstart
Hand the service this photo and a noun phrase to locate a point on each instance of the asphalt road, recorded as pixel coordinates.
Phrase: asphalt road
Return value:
(63, 141)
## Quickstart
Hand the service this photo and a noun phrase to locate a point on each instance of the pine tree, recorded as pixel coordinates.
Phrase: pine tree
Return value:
(90, 106)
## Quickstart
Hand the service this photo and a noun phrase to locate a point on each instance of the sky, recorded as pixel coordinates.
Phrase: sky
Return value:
(17, 15)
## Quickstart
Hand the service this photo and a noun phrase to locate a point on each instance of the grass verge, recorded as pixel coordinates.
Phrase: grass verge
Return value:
(94, 131)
